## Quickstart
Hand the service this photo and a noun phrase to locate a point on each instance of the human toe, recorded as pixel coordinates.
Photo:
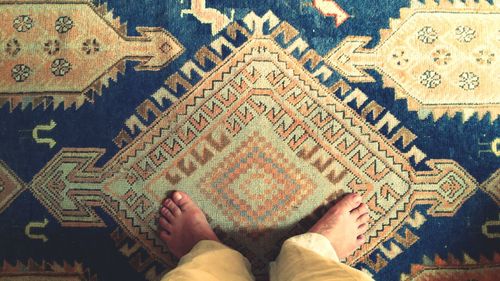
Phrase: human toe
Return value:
(164, 224)
(181, 199)
(360, 210)
(363, 228)
(172, 207)
(364, 218)
(349, 202)
(360, 240)
(164, 235)
(167, 214)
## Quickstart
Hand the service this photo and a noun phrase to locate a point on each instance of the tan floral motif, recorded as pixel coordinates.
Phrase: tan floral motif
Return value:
(64, 24)
(60, 67)
(52, 47)
(23, 23)
(13, 47)
(20, 72)
(441, 56)
(468, 81)
(427, 35)
(91, 46)
(484, 57)
(430, 79)
(465, 34)
(400, 58)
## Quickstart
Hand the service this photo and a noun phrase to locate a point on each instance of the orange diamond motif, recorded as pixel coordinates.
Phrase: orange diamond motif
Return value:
(257, 186)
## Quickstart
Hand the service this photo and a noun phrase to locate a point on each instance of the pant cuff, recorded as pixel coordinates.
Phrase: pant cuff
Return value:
(317, 243)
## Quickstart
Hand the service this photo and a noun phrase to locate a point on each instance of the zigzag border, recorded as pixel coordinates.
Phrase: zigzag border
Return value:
(286, 36)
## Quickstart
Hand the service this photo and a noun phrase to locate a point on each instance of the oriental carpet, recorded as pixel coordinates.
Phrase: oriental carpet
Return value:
(264, 112)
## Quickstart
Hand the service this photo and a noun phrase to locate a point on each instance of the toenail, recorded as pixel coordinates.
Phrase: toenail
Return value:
(177, 196)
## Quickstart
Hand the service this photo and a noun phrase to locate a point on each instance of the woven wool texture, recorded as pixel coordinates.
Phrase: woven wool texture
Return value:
(265, 112)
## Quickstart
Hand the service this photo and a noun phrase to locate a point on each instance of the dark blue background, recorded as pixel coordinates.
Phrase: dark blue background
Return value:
(95, 125)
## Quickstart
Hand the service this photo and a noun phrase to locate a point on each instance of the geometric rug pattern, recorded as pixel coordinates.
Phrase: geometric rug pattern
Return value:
(264, 112)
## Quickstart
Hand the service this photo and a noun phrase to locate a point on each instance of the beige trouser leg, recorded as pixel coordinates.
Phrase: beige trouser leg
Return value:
(311, 257)
(211, 261)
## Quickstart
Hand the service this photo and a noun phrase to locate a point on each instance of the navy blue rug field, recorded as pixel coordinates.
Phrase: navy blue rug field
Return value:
(106, 107)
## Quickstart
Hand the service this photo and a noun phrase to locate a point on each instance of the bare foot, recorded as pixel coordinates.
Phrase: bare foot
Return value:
(344, 225)
(183, 224)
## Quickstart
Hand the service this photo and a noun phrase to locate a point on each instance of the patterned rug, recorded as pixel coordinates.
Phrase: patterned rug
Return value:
(263, 111)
